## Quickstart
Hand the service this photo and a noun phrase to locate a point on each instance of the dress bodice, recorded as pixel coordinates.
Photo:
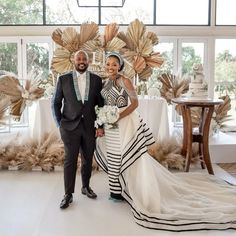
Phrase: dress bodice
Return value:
(114, 95)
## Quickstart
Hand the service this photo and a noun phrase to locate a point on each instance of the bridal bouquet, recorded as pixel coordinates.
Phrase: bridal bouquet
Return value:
(106, 115)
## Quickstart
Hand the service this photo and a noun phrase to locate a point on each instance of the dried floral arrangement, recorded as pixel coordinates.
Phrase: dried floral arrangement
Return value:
(19, 95)
(45, 154)
(48, 153)
(168, 153)
(174, 87)
(219, 117)
(48, 86)
(135, 45)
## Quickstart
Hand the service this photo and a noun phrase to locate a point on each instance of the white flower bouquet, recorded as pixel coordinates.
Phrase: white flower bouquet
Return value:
(106, 115)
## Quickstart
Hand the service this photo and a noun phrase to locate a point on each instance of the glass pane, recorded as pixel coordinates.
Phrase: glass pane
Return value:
(191, 53)
(5, 128)
(84, 3)
(21, 12)
(225, 72)
(8, 57)
(225, 12)
(112, 2)
(37, 55)
(129, 12)
(153, 84)
(166, 50)
(68, 12)
(182, 12)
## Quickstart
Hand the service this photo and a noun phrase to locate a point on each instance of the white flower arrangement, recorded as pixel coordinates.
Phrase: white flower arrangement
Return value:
(106, 115)
(48, 90)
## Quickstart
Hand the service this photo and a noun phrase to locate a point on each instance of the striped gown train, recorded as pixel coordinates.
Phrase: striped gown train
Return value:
(158, 198)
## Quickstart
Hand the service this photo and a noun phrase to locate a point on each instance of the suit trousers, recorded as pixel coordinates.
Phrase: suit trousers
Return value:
(77, 141)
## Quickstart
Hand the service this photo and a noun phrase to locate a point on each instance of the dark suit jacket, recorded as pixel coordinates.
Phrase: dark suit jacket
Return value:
(67, 105)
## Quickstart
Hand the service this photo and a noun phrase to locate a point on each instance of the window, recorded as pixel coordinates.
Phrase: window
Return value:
(26, 57)
(191, 53)
(68, 12)
(225, 12)
(182, 12)
(37, 59)
(225, 72)
(180, 55)
(9, 56)
(21, 12)
(129, 12)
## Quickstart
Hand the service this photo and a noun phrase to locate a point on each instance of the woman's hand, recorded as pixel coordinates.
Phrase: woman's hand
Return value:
(99, 132)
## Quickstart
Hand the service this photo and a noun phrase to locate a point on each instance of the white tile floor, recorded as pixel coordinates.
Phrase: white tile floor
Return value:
(29, 206)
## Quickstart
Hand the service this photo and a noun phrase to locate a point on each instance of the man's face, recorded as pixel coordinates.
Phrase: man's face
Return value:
(81, 62)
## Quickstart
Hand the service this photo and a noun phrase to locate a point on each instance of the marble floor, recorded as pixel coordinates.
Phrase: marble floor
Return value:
(29, 206)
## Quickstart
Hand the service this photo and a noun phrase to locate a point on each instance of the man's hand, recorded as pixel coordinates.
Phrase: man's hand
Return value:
(99, 132)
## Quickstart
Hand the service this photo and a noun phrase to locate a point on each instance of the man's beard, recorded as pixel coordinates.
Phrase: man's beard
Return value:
(81, 70)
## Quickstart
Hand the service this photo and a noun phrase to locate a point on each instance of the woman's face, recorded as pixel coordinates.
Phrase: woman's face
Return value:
(112, 66)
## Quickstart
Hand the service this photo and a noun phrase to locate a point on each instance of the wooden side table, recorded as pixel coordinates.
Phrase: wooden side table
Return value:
(202, 136)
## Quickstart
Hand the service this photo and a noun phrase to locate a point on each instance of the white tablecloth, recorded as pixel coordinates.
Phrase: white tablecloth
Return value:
(41, 119)
(154, 112)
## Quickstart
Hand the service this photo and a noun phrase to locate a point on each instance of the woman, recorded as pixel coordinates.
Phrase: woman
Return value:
(158, 198)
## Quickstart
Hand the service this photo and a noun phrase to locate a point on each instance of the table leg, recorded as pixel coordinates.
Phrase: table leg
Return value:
(189, 137)
(206, 127)
(202, 121)
(201, 155)
(184, 147)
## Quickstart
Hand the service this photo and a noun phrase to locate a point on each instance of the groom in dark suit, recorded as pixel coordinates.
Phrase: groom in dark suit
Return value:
(77, 93)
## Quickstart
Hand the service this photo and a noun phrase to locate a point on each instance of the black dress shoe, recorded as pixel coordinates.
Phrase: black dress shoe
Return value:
(89, 192)
(68, 198)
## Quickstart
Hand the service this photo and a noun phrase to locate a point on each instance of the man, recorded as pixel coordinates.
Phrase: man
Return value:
(77, 93)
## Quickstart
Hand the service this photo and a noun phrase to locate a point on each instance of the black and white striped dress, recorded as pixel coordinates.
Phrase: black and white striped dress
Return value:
(115, 96)
(158, 198)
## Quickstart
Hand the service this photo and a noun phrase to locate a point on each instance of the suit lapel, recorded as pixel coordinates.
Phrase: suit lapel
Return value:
(87, 88)
(76, 86)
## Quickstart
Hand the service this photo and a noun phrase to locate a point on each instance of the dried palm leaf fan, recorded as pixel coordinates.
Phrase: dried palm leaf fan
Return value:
(172, 86)
(19, 95)
(221, 111)
(4, 104)
(70, 41)
(61, 61)
(139, 49)
(99, 47)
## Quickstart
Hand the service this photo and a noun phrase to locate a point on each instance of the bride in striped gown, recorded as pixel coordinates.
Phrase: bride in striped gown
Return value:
(158, 198)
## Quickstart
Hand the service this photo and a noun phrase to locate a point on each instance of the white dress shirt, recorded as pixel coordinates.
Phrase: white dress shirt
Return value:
(82, 84)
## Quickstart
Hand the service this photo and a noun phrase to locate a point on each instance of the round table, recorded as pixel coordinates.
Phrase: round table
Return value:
(207, 108)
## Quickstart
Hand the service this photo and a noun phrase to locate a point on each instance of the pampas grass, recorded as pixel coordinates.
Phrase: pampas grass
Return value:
(168, 154)
(31, 154)
(48, 153)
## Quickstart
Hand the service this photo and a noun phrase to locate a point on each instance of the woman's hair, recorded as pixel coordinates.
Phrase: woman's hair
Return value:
(118, 57)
